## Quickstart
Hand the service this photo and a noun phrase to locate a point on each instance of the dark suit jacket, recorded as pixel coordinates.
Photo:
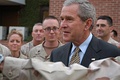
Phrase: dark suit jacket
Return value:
(97, 49)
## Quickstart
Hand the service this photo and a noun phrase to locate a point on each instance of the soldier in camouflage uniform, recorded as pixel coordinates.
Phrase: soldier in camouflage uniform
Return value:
(38, 37)
(51, 33)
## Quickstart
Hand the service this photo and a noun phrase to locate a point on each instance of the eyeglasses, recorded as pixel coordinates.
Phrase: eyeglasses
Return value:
(48, 29)
(102, 25)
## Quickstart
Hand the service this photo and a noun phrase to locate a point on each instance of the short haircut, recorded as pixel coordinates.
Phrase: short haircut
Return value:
(37, 24)
(114, 33)
(51, 17)
(15, 32)
(86, 10)
(108, 18)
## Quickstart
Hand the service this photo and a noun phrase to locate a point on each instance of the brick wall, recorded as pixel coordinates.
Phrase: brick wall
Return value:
(111, 8)
(103, 7)
(55, 7)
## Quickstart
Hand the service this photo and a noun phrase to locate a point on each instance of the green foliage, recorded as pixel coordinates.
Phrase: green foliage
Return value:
(30, 13)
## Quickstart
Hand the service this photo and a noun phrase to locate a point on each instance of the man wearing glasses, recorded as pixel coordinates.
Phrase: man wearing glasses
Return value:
(51, 33)
(37, 38)
(104, 26)
(77, 20)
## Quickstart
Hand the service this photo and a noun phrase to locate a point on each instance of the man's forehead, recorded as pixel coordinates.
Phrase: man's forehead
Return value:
(37, 27)
(101, 21)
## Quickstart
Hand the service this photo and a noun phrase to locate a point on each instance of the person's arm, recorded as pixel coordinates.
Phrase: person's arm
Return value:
(58, 71)
(12, 67)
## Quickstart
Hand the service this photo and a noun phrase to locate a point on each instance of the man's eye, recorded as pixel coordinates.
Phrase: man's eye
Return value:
(69, 19)
(61, 18)
(41, 31)
(36, 31)
(54, 28)
(48, 28)
(97, 25)
(103, 25)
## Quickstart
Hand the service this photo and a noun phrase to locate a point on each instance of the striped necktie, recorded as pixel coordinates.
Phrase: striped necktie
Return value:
(75, 58)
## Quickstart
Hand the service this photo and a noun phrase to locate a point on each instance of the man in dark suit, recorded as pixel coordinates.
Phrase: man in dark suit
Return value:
(77, 21)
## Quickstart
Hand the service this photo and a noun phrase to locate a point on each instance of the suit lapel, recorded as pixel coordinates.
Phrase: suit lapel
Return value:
(91, 53)
(66, 53)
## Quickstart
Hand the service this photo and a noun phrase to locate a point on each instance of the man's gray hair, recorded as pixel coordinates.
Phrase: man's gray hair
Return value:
(37, 24)
(86, 10)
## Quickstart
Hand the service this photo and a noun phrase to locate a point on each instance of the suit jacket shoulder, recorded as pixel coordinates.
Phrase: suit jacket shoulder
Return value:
(61, 53)
(97, 49)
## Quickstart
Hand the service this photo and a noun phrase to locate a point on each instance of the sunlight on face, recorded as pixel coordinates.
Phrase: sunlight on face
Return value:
(102, 28)
(71, 24)
(38, 33)
(15, 42)
(51, 28)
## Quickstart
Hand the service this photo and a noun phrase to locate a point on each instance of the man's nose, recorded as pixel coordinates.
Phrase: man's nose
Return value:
(51, 31)
(63, 24)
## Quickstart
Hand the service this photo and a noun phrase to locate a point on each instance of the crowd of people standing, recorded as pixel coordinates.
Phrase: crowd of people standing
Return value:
(81, 46)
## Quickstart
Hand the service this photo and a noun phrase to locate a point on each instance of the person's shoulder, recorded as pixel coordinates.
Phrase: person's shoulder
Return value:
(110, 47)
(112, 41)
(63, 47)
(103, 44)
(35, 50)
(60, 44)
(22, 56)
(27, 44)
(2, 46)
(36, 47)
(109, 50)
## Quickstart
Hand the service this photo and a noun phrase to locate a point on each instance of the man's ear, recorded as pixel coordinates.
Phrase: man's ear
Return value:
(32, 33)
(88, 23)
(111, 28)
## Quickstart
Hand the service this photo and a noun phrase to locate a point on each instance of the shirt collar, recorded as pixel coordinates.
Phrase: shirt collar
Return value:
(84, 45)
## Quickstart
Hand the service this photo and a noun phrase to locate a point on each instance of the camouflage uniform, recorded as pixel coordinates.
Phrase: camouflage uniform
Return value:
(4, 50)
(26, 48)
(39, 51)
(112, 41)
